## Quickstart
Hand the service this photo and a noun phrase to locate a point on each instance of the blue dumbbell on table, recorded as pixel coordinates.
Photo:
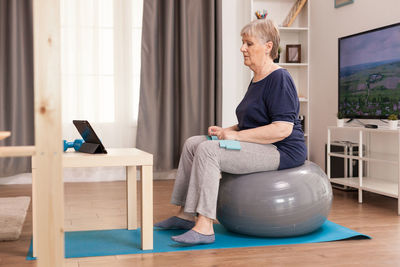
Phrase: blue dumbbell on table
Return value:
(76, 144)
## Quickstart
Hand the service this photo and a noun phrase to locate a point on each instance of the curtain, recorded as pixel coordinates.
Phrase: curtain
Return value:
(181, 75)
(16, 81)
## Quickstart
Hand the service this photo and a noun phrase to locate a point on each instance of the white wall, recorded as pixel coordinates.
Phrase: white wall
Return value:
(327, 25)
(236, 76)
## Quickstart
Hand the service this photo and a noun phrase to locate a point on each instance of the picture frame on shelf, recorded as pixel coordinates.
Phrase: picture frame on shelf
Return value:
(340, 3)
(293, 53)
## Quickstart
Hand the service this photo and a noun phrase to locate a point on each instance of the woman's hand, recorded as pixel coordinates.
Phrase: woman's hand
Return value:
(222, 134)
(214, 130)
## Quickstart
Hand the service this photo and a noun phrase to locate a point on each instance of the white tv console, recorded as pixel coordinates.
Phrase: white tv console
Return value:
(377, 185)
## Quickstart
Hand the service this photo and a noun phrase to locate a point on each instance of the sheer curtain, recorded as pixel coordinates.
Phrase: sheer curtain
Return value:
(100, 57)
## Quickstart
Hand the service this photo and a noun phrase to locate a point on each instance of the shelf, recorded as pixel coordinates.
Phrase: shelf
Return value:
(384, 181)
(293, 29)
(381, 129)
(369, 156)
(375, 185)
(278, 11)
(342, 155)
(293, 64)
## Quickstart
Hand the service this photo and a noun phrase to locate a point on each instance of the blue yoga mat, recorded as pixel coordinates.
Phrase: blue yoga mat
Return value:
(121, 241)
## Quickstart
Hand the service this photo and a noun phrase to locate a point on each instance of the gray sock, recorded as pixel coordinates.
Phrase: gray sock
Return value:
(175, 223)
(192, 237)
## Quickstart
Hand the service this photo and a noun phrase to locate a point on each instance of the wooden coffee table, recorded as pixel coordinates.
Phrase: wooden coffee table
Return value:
(131, 158)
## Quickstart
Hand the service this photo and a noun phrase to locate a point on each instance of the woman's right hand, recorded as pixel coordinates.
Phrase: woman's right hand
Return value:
(214, 130)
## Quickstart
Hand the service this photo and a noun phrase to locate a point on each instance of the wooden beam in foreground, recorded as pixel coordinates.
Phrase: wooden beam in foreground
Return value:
(48, 157)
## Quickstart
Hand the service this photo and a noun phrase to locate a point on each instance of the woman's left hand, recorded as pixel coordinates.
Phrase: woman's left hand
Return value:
(227, 135)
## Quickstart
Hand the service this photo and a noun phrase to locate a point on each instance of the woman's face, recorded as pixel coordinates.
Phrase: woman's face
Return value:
(254, 52)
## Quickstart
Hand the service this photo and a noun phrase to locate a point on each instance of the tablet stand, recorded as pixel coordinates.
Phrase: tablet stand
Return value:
(91, 148)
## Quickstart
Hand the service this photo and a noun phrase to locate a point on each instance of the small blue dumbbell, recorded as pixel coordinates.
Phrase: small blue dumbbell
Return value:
(76, 144)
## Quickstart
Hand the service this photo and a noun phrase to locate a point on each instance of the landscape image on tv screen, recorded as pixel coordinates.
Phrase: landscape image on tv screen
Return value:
(369, 73)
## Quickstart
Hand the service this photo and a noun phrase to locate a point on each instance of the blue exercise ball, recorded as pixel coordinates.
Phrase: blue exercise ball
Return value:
(282, 203)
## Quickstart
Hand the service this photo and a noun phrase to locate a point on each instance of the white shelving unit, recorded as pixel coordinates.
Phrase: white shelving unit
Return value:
(297, 33)
(365, 182)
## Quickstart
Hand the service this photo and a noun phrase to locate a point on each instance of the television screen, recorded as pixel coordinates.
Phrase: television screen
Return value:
(369, 73)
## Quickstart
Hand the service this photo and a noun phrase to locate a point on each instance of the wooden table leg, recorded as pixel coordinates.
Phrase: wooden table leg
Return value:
(131, 197)
(147, 207)
(34, 208)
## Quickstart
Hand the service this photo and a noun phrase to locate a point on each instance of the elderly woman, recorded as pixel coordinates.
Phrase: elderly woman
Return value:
(269, 132)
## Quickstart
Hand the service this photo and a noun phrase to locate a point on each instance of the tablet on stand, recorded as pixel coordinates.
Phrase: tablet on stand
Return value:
(92, 143)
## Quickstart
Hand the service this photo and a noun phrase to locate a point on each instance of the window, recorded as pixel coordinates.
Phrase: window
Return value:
(100, 66)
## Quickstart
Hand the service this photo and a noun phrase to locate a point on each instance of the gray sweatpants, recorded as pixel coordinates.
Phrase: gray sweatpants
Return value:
(197, 180)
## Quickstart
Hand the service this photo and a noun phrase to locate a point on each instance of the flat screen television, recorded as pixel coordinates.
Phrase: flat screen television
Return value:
(369, 73)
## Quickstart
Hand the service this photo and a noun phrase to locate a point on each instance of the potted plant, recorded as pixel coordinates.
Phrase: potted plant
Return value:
(340, 119)
(393, 121)
(276, 60)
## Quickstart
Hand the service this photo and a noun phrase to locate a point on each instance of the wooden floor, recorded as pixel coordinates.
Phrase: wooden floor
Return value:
(102, 206)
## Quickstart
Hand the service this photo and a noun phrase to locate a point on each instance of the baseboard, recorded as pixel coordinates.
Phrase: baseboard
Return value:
(166, 175)
(22, 178)
(76, 175)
